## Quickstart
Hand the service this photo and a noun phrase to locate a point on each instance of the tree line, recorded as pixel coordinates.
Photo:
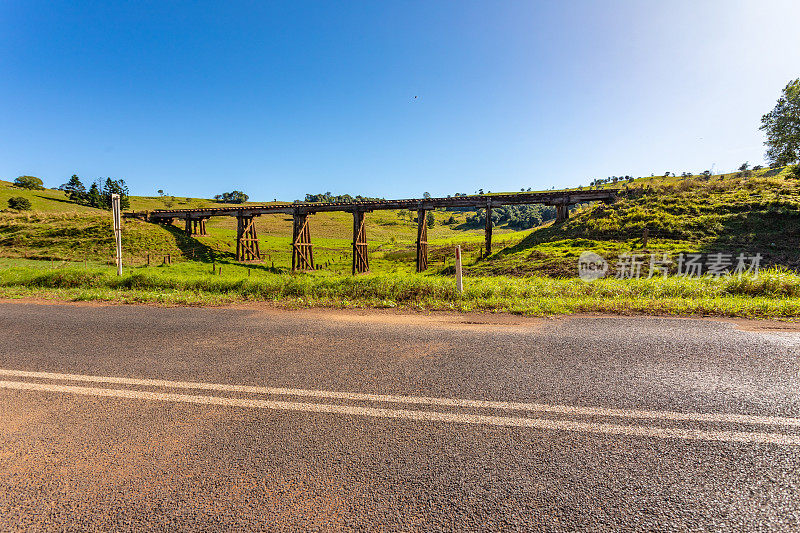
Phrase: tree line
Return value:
(515, 216)
(329, 198)
(99, 193)
(233, 197)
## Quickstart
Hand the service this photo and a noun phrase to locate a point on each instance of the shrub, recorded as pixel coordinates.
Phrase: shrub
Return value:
(29, 182)
(19, 203)
(234, 197)
(794, 172)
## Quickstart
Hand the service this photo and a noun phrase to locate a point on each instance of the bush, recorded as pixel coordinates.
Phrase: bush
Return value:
(794, 172)
(29, 182)
(19, 203)
(233, 197)
(430, 219)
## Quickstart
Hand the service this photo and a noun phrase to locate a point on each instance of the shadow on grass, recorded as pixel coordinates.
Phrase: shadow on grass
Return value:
(63, 200)
(195, 250)
(191, 248)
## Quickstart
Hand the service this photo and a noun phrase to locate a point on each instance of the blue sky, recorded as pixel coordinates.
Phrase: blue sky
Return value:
(280, 99)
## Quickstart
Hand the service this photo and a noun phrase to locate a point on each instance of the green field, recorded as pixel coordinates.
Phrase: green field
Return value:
(756, 211)
(61, 249)
(58, 229)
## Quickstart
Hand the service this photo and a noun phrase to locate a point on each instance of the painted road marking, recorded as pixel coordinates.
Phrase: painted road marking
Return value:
(731, 418)
(429, 416)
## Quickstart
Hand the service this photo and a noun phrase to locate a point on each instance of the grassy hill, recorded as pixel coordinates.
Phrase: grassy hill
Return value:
(749, 212)
(752, 212)
(58, 229)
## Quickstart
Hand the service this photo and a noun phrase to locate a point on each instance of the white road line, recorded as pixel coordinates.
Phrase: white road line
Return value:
(428, 416)
(421, 400)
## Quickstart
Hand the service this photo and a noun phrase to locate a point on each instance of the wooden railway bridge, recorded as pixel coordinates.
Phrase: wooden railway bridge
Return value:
(302, 251)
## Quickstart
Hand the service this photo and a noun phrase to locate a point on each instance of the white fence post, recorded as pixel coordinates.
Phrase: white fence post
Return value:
(459, 280)
(115, 209)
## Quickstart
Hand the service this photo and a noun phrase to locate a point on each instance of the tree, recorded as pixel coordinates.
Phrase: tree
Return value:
(430, 219)
(757, 167)
(75, 190)
(426, 195)
(115, 187)
(233, 197)
(782, 126)
(19, 203)
(744, 166)
(93, 197)
(29, 182)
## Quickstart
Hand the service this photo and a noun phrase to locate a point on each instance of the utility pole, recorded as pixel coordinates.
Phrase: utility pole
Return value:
(115, 209)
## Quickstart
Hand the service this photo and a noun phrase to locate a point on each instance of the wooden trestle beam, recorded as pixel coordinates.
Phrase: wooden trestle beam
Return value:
(195, 226)
(360, 257)
(302, 251)
(562, 212)
(422, 241)
(246, 239)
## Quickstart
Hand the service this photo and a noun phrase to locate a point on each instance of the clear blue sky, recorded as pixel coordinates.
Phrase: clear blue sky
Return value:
(280, 99)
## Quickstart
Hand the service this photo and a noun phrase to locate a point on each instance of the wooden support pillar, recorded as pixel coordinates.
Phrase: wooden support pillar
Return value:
(302, 251)
(422, 241)
(360, 258)
(194, 227)
(488, 230)
(203, 226)
(562, 212)
(246, 239)
(188, 228)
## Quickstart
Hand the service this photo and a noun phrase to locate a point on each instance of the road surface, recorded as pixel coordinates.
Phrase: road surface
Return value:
(128, 417)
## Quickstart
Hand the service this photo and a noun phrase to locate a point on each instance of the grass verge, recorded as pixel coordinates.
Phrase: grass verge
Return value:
(773, 294)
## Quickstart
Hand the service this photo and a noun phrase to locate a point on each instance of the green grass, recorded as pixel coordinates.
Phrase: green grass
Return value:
(756, 212)
(774, 294)
(58, 229)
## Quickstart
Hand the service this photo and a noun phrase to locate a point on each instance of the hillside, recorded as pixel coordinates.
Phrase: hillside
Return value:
(58, 229)
(749, 212)
(752, 212)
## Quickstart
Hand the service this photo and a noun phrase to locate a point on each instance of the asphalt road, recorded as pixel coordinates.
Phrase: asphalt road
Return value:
(128, 417)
